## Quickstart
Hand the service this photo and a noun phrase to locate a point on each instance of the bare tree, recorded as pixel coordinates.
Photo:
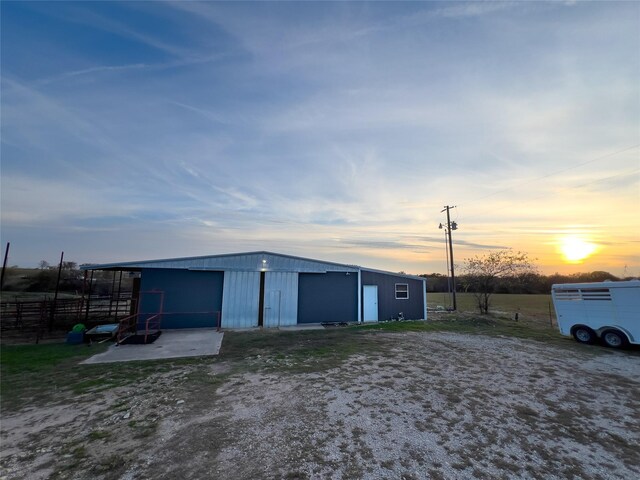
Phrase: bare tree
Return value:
(69, 265)
(43, 265)
(483, 272)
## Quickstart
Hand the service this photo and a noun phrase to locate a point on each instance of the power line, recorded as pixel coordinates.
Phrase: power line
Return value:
(528, 182)
(520, 201)
(546, 195)
(607, 178)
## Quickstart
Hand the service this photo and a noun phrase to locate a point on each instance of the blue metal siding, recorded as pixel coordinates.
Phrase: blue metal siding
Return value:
(327, 297)
(412, 308)
(191, 299)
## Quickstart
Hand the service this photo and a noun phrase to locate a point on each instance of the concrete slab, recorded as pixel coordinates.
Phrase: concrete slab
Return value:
(194, 342)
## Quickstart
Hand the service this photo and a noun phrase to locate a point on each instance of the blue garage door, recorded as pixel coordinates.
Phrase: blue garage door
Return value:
(190, 299)
(327, 297)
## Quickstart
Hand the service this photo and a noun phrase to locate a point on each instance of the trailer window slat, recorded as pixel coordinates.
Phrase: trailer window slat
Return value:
(596, 294)
(576, 295)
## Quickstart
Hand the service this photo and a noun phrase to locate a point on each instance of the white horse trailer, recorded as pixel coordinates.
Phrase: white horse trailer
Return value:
(609, 311)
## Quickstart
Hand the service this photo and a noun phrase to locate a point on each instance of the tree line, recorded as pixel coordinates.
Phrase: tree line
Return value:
(532, 283)
(71, 279)
(506, 271)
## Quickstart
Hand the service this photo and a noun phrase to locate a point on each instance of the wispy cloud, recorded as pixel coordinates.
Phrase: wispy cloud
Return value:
(86, 17)
(117, 69)
(319, 129)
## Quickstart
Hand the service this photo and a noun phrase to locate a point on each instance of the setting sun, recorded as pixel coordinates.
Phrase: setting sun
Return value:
(575, 249)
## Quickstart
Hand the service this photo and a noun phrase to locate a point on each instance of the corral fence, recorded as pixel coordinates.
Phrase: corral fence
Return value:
(41, 318)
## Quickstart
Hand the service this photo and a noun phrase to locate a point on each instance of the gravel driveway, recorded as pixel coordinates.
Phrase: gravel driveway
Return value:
(421, 405)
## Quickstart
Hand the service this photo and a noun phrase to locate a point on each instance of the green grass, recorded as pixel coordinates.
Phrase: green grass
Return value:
(50, 373)
(37, 369)
(295, 351)
(10, 296)
(537, 307)
(495, 325)
(319, 349)
(22, 359)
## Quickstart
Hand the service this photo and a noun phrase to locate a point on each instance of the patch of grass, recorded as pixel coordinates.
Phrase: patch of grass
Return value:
(20, 359)
(143, 428)
(98, 435)
(47, 373)
(494, 325)
(74, 452)
(93, 385)
(205, 378)
(38, 370)
(79, 452)
(530, 307)
(40, 374)
(295, 352)
(111, 464)
(120, 406)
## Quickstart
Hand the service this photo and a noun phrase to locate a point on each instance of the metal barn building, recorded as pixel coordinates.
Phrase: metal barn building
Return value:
(263, 289)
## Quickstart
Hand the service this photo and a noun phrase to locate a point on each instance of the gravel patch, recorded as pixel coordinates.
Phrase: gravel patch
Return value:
(425, 405)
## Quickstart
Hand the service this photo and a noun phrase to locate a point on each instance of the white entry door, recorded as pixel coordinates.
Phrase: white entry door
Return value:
(370, 297)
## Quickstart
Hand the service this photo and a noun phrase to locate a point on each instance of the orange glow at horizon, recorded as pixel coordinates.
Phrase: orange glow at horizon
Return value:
(575, 248)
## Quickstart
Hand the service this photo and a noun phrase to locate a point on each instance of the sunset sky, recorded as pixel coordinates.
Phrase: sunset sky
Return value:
(335, 131)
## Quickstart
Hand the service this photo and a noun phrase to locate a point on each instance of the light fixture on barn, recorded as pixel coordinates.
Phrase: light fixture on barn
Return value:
(263, 265)
(448, 228)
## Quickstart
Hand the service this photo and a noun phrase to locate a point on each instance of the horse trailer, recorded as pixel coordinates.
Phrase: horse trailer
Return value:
(605, 311)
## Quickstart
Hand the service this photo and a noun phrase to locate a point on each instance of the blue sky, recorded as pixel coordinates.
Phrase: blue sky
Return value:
(335, 130)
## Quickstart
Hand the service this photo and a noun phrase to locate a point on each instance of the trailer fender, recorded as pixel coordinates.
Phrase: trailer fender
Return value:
(615, 337)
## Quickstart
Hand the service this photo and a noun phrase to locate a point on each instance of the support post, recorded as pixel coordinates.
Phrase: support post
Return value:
(84, 287)
(360, 318)
(113, 287)
(118, 297)
(86, 314)
(55, 295)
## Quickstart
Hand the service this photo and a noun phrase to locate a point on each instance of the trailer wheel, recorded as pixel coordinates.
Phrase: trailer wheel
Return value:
(583, 334)
(614, 339)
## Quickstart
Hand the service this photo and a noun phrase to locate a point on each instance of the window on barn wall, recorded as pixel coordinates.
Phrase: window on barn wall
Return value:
(402, 291)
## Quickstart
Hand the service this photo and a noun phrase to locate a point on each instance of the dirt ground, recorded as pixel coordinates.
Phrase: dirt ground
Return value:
(420, 405)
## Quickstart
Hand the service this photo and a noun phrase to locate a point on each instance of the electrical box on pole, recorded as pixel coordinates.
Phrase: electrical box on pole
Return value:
(449, 228)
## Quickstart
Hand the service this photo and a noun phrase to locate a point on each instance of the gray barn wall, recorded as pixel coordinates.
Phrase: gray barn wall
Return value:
(327, 297)
(185, 293)
(388, 307)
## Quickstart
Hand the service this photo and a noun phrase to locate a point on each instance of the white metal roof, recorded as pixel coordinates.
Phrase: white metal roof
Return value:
(250, 261)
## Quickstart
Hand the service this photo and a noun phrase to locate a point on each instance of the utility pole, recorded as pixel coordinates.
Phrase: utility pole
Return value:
(4, 265)
(448, 229)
